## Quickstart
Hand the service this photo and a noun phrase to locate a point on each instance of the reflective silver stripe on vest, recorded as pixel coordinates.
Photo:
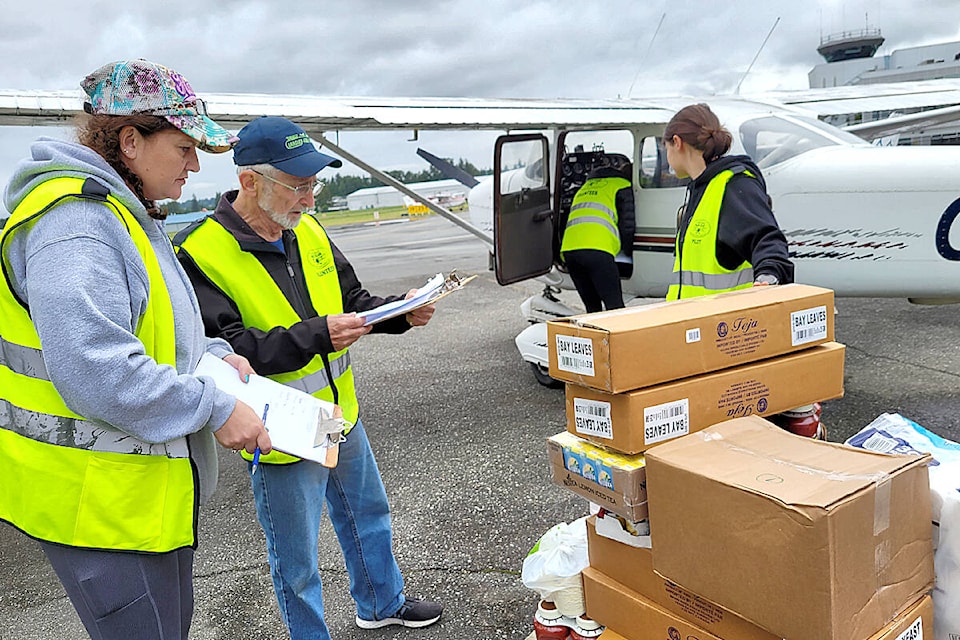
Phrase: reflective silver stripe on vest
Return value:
(26, 361)
(596, 206)
(603, 222)
(81, 434)
(318, 380)
(717, 281)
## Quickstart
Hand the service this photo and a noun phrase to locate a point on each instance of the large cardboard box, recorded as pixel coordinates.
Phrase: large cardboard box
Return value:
(636, 347)
(613, 480)
(636, 420)
(632, 567)
(806, 539)
(631, 615)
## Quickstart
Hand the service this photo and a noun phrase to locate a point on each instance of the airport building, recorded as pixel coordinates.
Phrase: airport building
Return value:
(850, 60)
(381, 197)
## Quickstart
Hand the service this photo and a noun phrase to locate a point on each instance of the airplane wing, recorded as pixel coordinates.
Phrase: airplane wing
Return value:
(892, 96)
(323, 113)
(938, 102)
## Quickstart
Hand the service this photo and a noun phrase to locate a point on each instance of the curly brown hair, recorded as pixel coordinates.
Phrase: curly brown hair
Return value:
(101, 132)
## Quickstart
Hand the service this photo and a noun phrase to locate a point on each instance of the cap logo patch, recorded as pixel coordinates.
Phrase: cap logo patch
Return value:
(296, 141)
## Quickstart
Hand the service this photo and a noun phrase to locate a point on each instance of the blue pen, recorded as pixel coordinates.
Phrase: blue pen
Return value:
(256, 452)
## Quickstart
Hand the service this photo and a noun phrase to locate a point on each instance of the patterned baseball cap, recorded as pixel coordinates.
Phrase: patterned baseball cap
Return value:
(141, 87)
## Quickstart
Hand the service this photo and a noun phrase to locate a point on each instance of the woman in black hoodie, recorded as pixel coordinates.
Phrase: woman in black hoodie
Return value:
(727, 237)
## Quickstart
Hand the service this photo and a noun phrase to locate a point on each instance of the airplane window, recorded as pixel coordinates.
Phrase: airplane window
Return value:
(771, 140)
(521, 165)
(831, 130)
(655, 173)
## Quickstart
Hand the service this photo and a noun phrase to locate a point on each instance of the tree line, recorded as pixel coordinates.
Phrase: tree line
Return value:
(338, 186)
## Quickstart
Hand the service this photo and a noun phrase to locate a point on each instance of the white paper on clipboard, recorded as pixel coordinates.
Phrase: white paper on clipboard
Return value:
(436, 288)
(298, 423)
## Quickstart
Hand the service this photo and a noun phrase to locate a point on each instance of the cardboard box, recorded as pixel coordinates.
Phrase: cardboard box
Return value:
(615, 481)
(804, 538)
(634, 421)
(636, 347)
(632, 567)
(631, 615)
(916, 623)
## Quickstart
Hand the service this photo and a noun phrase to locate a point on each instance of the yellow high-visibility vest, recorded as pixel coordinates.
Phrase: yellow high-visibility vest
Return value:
(263, 306)
(593, 219)
(64, 480)
(696, 270)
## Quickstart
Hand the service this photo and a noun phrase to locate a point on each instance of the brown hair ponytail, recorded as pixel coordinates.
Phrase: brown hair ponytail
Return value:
(700, 128)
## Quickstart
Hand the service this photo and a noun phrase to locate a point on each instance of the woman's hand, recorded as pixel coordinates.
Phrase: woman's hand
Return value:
(241, 364)
(244, 430)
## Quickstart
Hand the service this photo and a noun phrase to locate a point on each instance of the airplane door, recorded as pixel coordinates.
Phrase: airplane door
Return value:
(523, 227)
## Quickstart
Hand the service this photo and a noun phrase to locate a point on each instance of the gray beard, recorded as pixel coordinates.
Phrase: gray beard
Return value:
(285, 220)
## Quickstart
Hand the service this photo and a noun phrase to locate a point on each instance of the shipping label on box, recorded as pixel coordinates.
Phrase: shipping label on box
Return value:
(613, 480)
(632, 422)
(637, 347)
(836, 539)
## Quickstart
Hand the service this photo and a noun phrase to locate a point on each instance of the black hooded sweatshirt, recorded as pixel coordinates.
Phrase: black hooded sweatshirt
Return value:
(747, 229)
(278, 350)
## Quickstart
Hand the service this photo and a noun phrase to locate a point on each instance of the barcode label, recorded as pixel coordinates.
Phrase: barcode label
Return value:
(592, 417)
(809, 325)
(914, 632)
(575, 355)
(879, 442)
(666, 421)
(693, 335)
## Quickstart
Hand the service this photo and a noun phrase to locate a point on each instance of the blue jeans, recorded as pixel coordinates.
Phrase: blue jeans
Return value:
(289, 500)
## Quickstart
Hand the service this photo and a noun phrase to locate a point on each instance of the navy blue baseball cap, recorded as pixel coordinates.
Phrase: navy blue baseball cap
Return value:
(282, 144)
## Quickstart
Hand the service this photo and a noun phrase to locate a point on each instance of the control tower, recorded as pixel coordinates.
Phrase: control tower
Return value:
(850, 45)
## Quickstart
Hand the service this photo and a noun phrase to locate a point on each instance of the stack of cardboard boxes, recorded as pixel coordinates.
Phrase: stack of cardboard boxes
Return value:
(756, 534)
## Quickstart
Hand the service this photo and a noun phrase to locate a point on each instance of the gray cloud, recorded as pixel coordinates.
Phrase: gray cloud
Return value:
(491, 48)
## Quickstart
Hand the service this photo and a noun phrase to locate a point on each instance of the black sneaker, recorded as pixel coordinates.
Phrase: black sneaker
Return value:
(412, 613)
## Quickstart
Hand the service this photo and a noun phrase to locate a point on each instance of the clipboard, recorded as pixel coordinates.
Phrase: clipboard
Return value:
(436, 288)
(301, 425)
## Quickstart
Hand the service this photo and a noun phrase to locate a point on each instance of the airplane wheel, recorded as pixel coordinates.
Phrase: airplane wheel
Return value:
(542, 374)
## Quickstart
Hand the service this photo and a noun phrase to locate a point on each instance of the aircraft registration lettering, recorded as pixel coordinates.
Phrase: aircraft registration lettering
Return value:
(575, 355)
(592, 417)
(808, 325)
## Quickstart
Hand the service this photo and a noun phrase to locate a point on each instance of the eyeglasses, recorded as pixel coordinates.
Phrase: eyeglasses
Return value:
(303, 190)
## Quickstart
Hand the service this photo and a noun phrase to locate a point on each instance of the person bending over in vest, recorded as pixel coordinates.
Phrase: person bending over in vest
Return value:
(727, 236)
(108, 438)
(273, 284)
(600, 227)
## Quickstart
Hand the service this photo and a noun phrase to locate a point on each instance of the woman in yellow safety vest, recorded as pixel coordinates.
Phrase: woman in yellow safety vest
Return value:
(727, 237)
(107, 437)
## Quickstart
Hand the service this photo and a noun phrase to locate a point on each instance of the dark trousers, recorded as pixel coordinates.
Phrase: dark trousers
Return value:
(596, 277)
(127, 596)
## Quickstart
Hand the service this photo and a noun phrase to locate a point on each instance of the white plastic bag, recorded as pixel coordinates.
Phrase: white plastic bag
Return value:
(555, 563)
(892, 433)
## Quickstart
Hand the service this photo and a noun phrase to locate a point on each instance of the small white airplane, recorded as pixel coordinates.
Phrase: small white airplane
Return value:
(862, 220)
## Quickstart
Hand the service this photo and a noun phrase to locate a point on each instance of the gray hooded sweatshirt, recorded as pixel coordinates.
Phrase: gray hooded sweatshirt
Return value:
(86, 286)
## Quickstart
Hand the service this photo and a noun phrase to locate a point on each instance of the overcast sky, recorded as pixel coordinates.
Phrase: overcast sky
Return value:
(470, 48)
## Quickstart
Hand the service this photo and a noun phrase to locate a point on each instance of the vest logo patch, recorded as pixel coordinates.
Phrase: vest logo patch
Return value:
(322, 261)
(699, 228)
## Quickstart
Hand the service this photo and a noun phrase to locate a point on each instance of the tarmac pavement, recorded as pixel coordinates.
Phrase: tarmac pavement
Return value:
(458, 425)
